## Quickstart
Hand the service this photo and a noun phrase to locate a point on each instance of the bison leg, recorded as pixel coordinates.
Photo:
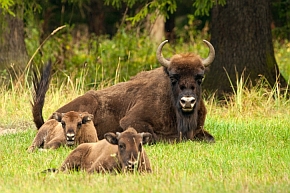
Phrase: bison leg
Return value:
(104, 165)
(54, 144)
(144, 165)
(204, 136)
(38, 140)
(76, 159)
(201, 115)
(200, 133)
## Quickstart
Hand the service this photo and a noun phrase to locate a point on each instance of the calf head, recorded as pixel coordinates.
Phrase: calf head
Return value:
(71, 123)
(186, 72)
(130, 147)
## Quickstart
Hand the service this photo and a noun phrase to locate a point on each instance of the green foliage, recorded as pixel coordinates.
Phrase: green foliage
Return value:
(282, 53)
(163, 7)
(97, 57)
(281, 19)
(118, 3)
(152, 8)
(204, 7)
(6, 6)
(10, 7)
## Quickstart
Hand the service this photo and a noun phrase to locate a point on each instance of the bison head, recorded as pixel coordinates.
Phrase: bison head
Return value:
(71, 123)
(186, 72)
(130, 147)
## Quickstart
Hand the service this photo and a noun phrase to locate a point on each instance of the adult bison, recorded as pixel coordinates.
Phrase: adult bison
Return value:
(166, 102)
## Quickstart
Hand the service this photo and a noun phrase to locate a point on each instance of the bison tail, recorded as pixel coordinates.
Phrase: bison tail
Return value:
(40, 86)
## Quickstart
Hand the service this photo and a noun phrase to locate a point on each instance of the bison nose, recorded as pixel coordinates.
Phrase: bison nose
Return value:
(132, 164)
(70, 137)
(187, 103)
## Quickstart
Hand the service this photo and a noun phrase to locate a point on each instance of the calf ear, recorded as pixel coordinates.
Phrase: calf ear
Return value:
(57, 116)
(146, 137)
(87, 118)
(111, 138)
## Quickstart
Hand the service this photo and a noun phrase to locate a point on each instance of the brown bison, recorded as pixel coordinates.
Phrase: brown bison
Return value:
(166, 102)
(120, 152)
(71, 128)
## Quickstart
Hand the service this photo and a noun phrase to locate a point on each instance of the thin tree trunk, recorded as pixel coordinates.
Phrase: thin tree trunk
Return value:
(96, 16)
(242, 38)
(12, 46)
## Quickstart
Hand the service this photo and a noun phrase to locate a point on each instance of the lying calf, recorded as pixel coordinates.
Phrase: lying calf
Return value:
(120, 152)
(71, 128)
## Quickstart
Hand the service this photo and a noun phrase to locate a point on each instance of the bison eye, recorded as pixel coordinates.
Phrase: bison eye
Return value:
(182, 87)
(79, 124)
(122, 146)
(63, 124)
(198, 79)
(174, 78)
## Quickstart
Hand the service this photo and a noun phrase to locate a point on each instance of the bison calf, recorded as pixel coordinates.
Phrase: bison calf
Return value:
(71, 128)
(120, 152)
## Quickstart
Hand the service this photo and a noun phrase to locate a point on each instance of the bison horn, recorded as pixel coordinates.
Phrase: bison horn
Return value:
(211, 54)
(164, 62)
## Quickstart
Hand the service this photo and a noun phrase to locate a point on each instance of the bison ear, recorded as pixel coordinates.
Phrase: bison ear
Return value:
(87, 118)
(111, 138)
(57, 116)
(146, 137)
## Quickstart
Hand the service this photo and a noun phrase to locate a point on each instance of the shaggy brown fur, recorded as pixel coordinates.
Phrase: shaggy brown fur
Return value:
(71, 128)
(165, 102)
(120, 152)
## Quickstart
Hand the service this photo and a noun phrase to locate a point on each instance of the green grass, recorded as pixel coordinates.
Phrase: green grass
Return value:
(250, 155)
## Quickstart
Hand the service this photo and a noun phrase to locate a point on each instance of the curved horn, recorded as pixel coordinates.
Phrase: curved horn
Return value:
(164, 62)
(207, 61)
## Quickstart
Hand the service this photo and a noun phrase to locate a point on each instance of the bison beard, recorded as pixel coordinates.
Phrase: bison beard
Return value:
(150, 102)
(185, 123)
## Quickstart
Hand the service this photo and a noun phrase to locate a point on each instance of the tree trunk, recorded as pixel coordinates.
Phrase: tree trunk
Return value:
(12, 46)
(96, 16)
(169, 27)
(242, 38)
(156, 29)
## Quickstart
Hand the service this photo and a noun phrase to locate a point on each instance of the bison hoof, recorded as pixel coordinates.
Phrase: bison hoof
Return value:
(204, 136)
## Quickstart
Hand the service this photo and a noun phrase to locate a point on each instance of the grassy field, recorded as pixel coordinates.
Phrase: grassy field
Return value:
(251, 153)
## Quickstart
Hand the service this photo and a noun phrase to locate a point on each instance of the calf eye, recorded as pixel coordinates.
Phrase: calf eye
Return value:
(63, 124)
(122, 146)
(79, 124)
(140, 147)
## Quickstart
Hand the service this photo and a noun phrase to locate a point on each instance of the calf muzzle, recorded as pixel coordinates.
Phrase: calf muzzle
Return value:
(132, 165)
(70, 139)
